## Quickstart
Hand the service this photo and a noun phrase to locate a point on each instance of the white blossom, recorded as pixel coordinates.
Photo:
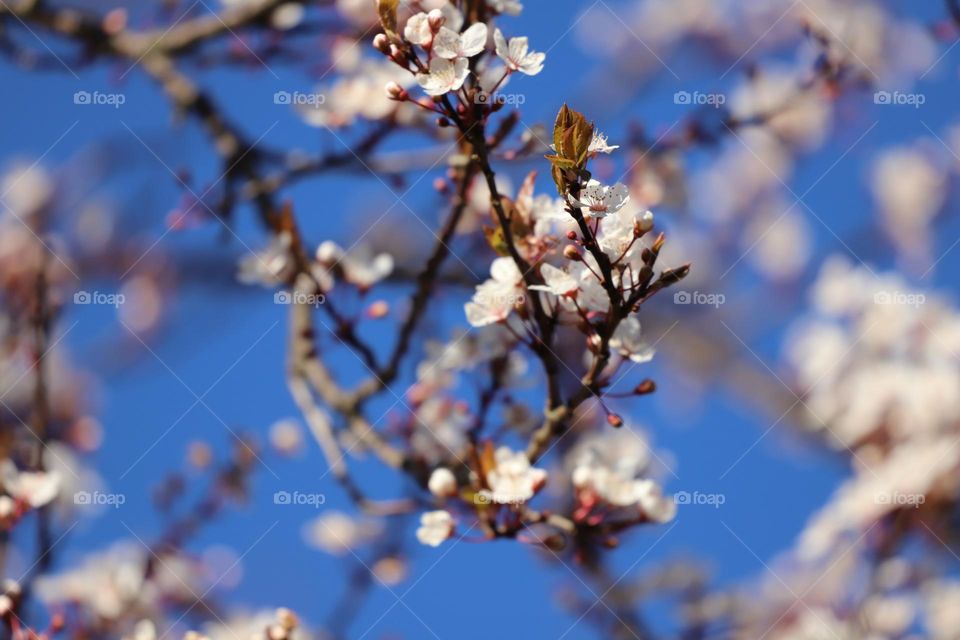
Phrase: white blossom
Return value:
(558, 282)
(442, 483)
(599, 144)
(435, 527)
(629, 341)
(516, 55)
(598, 201)
(513, 479)
(271, 266)
(32, 488)
(444, 76)
(417, 29)
(509, 7)
(360, 266)
(495, 299)
(337, 533)
(452, 45)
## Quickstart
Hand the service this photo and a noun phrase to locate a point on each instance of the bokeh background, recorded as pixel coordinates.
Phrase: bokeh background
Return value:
(214, 362)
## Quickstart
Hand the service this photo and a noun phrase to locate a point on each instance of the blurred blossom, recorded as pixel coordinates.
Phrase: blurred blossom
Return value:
(779, 242)
(26, 191)
(338, 533)
(877, 367)
(910, 189)
(286, 437)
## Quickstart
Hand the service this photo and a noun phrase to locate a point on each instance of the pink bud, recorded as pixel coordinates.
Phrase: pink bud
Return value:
(381, 43)
(378, 309)
(395, 91)
(436, 20)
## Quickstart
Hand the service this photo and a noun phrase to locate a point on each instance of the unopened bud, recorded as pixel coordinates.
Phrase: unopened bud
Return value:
(287, 618)
(658, 243)
(436, 20)
(57, 623)
(395, 91)
(570, 252)
(443, 122)
(555, 543)
(381, 43)
(645, 387)
(571, 235)
(614, 420)
(378, 310)
(672, 276)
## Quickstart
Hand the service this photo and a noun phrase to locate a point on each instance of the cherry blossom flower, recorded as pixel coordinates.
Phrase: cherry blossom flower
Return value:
(513, 479)
(612, 466)
(417, 29)
(452, 45)
(599, 144)
(360, 266)
(268, 267)
(435, 527)
(558, 282)
(653, 503)
(628, 340)
(509, 7)
(496, 298)
(32, 488)
(337, 533)
(440, 430)
(598, 201)
(444, 76)
(442, 483)
(516, 55)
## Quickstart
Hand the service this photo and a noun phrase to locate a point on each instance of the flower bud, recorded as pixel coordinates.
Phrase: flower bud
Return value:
(378, 309)
(645, 223)
(436, 20)
(395, 91)
(571, 235)
(381, 43)
(442, 483)
(57, 622)
(570, 252)
(614, 420)
(287, 618)
(645, 387)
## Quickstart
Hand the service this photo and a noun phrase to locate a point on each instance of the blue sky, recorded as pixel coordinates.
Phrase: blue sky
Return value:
(232, 357)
